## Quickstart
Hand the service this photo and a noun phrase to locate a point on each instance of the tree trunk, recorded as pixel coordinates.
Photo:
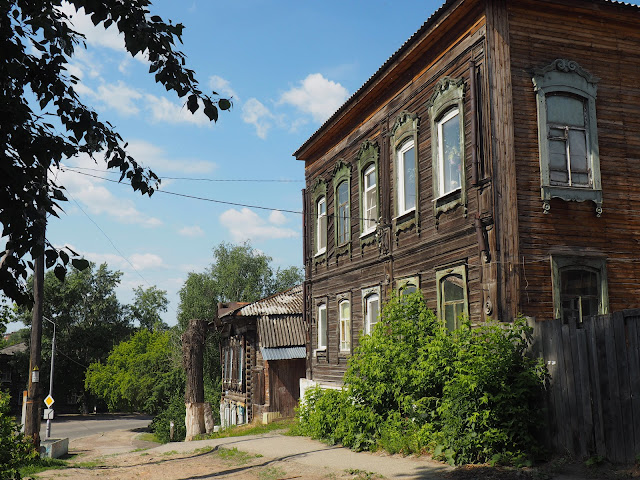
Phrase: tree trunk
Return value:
(192, 359)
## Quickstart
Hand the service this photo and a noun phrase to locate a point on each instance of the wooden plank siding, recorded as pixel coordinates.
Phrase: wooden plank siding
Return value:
(579, 31)
(595, 384)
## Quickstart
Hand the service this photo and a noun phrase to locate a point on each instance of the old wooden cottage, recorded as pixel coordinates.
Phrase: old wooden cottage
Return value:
(492, 162)
(262, 356)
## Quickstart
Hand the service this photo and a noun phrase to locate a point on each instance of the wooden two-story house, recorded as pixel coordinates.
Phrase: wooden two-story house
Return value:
(493, 162)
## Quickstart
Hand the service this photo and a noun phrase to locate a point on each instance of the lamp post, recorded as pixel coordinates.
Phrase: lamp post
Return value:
(53, 353)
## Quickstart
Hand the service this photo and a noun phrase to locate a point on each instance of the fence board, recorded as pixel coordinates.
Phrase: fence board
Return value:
(588, 442)
(596, 397)
(634, 377)
(561, 397)
(615, 447)
(624, 395)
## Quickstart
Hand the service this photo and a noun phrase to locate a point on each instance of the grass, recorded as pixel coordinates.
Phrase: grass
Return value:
(148, 437)
(362, 474)
(170, 452)
(251, 429)
(235, 456)
(42, 464)
(271, 473)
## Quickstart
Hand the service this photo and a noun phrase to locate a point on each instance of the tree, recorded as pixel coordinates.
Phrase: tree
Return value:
(90, 321)
(147, 306)
(37, 43)
(141, 374)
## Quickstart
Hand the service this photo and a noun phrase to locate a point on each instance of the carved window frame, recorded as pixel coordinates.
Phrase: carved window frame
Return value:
(368, 155)
(319, 191)
(342, 173)
(405, 128)
(402, 283)
(595, 264)
(447, 96)
(340, 300)
(367, 293)
(320, 353)
(441, 276)
(566, 77)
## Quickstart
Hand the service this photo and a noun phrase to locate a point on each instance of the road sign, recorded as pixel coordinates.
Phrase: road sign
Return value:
(49, 401)
(47, 414)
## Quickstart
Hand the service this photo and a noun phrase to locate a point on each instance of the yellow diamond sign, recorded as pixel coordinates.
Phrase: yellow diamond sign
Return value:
(49, 401)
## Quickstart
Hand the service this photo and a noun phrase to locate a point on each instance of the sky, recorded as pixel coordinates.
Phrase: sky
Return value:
(286, 65)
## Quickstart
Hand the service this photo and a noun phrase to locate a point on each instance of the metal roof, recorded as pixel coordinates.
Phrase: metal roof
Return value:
(283, 303)
(281, 330)
(284, 353)
(431, 20)
(13, 349)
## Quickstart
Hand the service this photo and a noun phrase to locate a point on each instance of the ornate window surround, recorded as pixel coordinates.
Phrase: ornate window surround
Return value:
(566, 76)
(441, 274)
(448, 94)
(366, 293)
(319, 190)
(369, 154)
(405, 128)
(341, 172)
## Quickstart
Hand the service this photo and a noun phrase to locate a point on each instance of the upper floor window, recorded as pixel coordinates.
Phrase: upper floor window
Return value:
(342, 207)
(406, 178)
(344, 310)
(568, 134)
(321, 225)
(579, 287)
(342, 213)
(368, 187)
(452, 295)
(404, 142)
(322, 327)
(446, 107)
(371, 312)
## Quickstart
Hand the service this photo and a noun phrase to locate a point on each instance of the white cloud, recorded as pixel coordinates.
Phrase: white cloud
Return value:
(158, 160)
(163, 110)
(194, 231)
(222, 86)
(247, 225)
(277, 218)
(255, 113)
(120, 97)
(97, 199)
(317, 96)
(143, 261)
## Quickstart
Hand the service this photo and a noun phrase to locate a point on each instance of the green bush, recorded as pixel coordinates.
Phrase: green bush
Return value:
(415, 386)
(15, 450)
(175, 411)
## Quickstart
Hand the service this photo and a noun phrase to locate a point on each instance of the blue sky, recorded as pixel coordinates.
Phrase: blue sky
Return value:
(288, 66)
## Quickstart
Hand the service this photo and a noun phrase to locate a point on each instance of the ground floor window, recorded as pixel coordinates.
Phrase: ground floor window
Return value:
(579, 287)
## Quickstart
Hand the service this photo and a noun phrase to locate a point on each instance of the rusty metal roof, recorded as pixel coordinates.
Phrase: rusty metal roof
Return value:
(281, 330)
(288, 302)
(284, 353)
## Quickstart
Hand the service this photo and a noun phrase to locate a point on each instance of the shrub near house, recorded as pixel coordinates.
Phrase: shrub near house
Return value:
(469, 395)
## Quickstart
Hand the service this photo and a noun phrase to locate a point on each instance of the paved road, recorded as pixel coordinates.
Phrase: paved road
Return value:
(77, 426)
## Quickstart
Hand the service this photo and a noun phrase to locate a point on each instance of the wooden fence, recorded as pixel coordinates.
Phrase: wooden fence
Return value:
(593, 400)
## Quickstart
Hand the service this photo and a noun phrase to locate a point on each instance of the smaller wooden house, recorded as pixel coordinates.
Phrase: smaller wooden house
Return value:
(263, 357)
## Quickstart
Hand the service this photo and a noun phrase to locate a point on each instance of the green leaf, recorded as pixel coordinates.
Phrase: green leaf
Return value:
(60, 272)
(80, 263)
(192, 103)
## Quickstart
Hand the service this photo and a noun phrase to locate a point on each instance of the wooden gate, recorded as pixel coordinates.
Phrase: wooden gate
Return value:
(284, 384)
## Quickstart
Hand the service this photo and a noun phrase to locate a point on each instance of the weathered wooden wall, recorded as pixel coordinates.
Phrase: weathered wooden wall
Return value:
(603, 38)
(593, 398)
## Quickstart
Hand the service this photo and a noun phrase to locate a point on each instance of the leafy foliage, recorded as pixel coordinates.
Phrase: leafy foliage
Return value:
(15, 451)
(38, 42)
(141, 374)
(147, 306)
(413, 385)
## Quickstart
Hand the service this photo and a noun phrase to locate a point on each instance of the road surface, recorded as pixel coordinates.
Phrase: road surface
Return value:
(78, 426)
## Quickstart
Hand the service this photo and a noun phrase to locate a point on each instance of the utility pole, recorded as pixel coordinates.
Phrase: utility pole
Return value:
(34, 392)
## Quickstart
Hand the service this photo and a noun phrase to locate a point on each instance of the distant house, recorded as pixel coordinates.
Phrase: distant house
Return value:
(263, 357)
(10, 378)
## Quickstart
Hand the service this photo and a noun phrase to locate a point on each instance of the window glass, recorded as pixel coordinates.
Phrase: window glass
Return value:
(408, 288)
(579, 293)
(450, 158)
(370, 200)
(322, 327)
(321, 225)
(343, 212)
(407, 177)
(372, 306)
(345, 325)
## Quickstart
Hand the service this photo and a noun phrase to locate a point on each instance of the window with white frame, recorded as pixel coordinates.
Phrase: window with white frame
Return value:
(406, 180)
(344, 311)
(579, 287)
(322, 327)
(452, 295)
(370, 199)
(371, 312)
(342, 212)
(568, 134)
(449, 153)
(446, 112)
(321, 226)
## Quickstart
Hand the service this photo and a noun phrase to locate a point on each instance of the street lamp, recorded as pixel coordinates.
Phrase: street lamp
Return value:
(53, 353)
